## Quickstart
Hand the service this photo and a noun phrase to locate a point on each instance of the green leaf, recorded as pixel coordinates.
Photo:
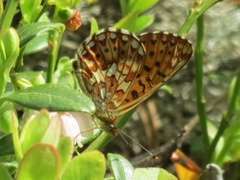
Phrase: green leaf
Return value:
(40, 162)
(51, 97)
(143, 22)
(7, 116)
(34, 77)
(30, 9)
(37, 44)
(64, 66)
(94, 26)
(9, 50)
(28, 32)
(34, 130)
(128, 22)
(153, 174)
(231, 93)
(4, 174)
(88, 165)
(120, 167)
(140, 5)
(124, 7)
(9, 162)
(65, 149)
(60, 4)
(6, 145)
(52, 133)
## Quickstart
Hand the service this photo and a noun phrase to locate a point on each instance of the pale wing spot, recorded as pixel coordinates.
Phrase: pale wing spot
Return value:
(135, 44)
(91, 44)
(141, 52)
(84, 52)
(125, 38)
(174, 61)
(112, 70)
(101, 37)
(186, 49)
(102, 92)
(180, 46)
(112, 35)
(124, 31)
(97, 75)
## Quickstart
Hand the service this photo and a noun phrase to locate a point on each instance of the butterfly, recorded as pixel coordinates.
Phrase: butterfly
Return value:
(118, 69)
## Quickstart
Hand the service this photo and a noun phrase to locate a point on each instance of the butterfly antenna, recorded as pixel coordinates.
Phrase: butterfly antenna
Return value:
(123, 135)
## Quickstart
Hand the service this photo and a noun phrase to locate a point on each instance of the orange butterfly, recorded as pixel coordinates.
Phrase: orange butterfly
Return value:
(118, 70)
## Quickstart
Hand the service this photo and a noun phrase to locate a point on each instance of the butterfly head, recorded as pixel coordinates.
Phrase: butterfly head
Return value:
(109, 128)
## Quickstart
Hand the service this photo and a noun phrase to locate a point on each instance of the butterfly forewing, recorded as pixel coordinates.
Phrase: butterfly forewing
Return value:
(165, 55)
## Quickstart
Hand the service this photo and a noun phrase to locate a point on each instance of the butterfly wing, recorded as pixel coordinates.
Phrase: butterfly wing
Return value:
(106, 67)
(166, 54)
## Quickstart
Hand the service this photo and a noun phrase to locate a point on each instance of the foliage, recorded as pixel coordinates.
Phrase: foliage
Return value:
(32, 145)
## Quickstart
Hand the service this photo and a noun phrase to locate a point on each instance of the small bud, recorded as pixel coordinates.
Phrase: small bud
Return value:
(71, 18)
(38, 79)
(19, 82)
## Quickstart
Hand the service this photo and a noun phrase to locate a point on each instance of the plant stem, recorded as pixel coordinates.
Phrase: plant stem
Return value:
(54, 43)
(199, 82)
(195, 13)
(19, 61)
(8, 14)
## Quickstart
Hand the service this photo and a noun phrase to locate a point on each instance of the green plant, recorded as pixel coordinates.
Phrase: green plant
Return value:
(32, 146)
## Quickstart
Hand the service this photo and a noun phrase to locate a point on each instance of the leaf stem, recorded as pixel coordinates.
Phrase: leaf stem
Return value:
(195, 13)
(8, 14)
(54, 43)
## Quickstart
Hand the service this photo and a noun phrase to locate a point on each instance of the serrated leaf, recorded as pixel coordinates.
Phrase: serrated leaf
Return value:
(120, 167)
(51, 97)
